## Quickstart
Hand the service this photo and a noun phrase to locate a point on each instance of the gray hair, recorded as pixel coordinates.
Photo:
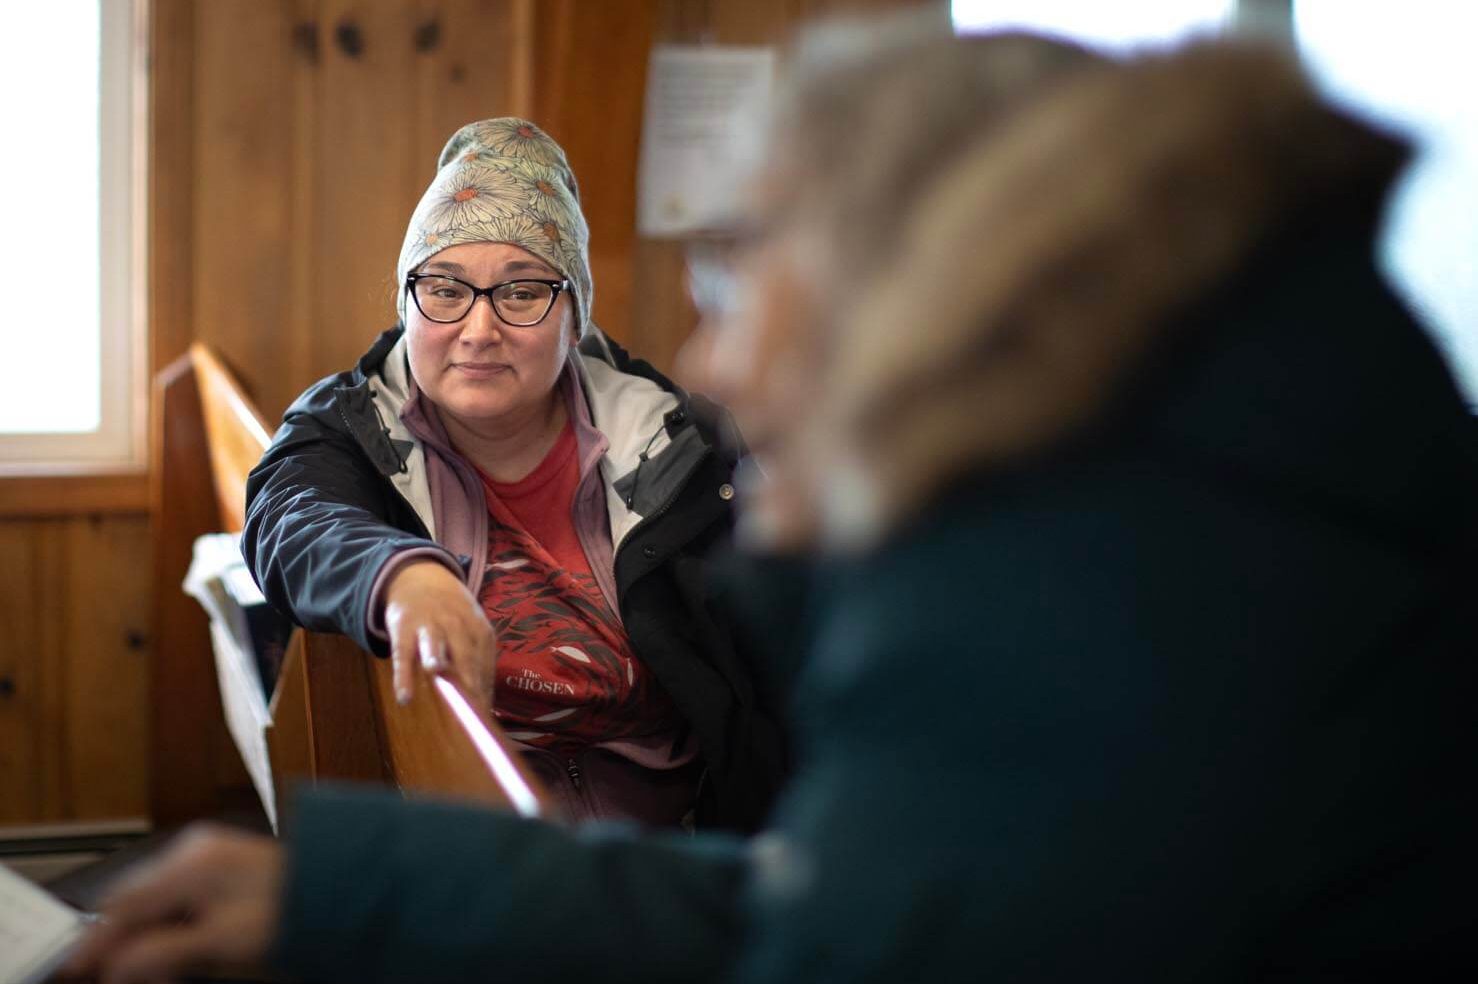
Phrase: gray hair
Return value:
(870, 116)
(871, 112)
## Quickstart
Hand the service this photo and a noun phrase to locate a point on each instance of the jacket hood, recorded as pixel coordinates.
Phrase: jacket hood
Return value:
(1076, 244)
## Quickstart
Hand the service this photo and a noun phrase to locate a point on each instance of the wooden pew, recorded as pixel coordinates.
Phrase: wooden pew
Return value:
(334, 716)
(333, 712)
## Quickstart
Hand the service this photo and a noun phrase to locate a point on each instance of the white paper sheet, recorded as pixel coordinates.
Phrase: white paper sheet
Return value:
(703, 106)
(36, 931)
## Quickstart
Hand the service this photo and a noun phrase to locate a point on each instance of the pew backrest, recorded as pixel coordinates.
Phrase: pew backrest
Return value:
(236, 435)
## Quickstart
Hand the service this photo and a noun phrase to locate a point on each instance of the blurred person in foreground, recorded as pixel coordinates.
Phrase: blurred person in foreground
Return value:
(1140, 645)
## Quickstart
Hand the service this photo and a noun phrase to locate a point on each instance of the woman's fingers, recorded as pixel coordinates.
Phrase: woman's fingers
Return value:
(462, 660)
(403, 665)
(435, 623)
(168, 886)
(460, 649)
(432, 648)
(209, 898)
(157, 891)
(474, 659)
(425, 606)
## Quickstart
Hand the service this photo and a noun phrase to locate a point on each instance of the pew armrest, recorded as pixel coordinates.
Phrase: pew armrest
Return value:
(335, 717)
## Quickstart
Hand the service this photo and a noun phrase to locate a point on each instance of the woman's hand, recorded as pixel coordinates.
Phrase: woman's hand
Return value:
(210, 902)
(433, 619)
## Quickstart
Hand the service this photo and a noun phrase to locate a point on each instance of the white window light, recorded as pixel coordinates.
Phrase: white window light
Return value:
(72, 397)
(1409, 67)
(1118, 26)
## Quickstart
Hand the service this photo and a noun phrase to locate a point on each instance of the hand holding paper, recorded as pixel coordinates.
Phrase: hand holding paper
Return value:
(209, 903)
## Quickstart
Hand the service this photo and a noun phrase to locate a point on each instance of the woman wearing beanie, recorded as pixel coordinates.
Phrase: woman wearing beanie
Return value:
(496, 479)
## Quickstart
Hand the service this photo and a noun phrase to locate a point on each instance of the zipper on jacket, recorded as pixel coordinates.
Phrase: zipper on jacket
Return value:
(573, 771)
(653, 517)
(424, 532)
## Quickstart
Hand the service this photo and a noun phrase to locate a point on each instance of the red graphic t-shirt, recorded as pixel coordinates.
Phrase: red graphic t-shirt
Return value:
(566, 675)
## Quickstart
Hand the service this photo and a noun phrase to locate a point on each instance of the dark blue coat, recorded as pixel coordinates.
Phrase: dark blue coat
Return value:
(1189, 696)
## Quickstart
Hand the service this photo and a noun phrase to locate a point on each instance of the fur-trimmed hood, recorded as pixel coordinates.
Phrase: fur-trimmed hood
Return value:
(1067, 245)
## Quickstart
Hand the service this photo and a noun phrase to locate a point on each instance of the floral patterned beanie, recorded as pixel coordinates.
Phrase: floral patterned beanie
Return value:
(503, 181)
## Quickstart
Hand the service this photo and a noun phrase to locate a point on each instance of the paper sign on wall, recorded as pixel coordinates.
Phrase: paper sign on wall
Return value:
(703, 105)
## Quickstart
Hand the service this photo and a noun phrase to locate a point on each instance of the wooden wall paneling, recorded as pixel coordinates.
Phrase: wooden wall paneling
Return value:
(361, 175)
(305, 278)
(590, 80)
(171, 185)
(524, 15)
(105, 623)
(51, 674)
(471, 62)
(667, 315)
(250, 237)
(752, 21)
(30, 742)
(551, 34)
(72, 669)
(71, 495)
(806, 10)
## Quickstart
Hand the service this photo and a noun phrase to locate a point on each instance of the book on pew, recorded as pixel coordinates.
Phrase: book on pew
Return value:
(249, 639)
(264, 631)
(219, 579)
(37, 931)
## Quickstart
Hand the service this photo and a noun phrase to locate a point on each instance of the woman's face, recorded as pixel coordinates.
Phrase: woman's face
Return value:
(478, 369)
(754, 349)
(760, 358)
(753, 357)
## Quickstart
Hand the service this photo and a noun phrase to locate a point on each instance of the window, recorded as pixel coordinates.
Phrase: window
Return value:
(72, 398)
(1408, 66)
(1404, 65)
(1117, 26)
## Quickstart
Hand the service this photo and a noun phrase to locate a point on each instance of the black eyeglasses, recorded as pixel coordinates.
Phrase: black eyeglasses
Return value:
(519, 303)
